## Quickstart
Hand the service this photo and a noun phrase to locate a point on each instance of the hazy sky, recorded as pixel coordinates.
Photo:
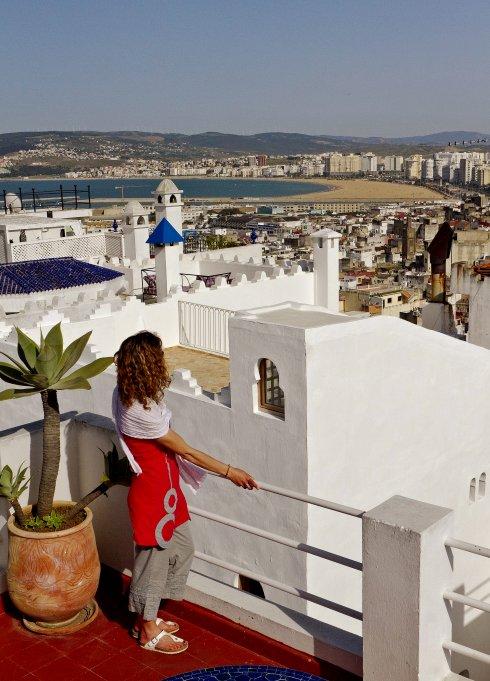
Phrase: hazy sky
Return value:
(343, 67)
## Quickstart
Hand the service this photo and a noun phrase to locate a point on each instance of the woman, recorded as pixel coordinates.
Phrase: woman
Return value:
(157, 507)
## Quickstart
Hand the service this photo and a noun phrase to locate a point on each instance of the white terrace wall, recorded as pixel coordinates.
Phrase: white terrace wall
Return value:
(109, 328)
(477, 287)
(296, 286)
(242, 252)
(394, 409)
(221, 266)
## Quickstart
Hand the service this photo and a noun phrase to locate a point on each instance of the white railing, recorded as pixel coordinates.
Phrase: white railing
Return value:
(453, 597)
(300, 546)
(95, 244)
(204, 327)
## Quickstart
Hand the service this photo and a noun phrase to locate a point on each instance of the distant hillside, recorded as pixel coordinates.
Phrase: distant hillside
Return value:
(65, 150)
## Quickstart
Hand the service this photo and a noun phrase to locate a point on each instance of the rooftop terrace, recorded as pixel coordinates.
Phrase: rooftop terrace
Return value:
(212, 372)
(104, 650)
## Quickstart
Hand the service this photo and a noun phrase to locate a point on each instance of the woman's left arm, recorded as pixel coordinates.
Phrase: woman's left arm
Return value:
(177, 444)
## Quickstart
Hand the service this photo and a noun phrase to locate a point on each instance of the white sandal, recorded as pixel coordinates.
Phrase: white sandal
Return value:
(174, 628)
(152, 644)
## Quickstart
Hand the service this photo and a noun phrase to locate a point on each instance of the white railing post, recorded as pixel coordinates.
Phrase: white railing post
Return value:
(406, 570)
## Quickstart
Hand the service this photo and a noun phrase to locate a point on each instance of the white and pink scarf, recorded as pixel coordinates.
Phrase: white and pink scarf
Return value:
(149, 424)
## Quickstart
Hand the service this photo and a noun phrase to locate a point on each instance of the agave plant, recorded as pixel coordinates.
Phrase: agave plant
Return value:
(43, 368)
(12, 486)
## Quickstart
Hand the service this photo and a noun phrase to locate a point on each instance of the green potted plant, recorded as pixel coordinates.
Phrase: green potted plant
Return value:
(53, 569)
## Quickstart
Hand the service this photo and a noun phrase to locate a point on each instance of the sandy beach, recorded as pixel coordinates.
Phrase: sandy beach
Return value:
(360, 190)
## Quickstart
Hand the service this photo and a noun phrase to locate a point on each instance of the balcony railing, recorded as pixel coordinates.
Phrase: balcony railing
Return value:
(453, 597)
(204, 327)
(299, 546)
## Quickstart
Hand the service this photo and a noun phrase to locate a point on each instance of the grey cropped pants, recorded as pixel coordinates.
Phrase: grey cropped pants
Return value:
(161, 573)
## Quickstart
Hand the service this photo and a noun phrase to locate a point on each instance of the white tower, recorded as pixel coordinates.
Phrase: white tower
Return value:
(326, 268)
(135, 231)
(168, 204)
(166, 241)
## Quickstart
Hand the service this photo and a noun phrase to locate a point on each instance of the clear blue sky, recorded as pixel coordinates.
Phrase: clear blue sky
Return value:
(348, 67)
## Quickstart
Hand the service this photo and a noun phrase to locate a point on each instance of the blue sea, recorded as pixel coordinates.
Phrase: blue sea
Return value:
(142, 188)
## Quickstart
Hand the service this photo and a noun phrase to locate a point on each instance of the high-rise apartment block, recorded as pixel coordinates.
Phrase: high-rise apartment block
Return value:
(428, 169)
(413, 167)
(483, 176)
(338, 164)
(369, 163)
(394, 164)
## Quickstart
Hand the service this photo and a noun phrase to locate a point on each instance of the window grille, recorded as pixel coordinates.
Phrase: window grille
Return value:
(271, 393)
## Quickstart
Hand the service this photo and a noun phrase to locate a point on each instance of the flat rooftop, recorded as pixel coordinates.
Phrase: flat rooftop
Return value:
(212, 372)
(295, 315)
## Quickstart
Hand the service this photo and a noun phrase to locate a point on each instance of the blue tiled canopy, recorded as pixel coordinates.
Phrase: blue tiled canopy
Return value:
(31, 276)
(164, 234)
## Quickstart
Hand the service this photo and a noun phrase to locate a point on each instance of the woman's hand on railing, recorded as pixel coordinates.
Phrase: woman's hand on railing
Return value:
(241, 478)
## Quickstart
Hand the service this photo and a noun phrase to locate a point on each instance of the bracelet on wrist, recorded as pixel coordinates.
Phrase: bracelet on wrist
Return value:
(227, 470)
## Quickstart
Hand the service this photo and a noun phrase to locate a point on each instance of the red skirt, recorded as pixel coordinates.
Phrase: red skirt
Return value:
(153, 511)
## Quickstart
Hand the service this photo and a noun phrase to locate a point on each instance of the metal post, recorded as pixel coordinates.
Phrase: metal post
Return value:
(76, 197)
(34, 199)
(21, 199)
(61, 195)
(5, 201)
(88, 194)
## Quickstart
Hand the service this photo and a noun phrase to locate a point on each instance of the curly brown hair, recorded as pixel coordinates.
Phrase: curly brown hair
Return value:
(142, 374)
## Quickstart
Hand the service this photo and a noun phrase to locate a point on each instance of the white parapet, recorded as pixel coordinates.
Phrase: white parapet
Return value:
(405, 571)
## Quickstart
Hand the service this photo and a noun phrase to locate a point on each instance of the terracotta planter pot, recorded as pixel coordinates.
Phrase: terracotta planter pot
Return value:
(53, 576)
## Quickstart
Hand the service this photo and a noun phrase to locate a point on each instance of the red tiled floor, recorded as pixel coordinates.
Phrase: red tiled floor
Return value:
(37, 655)
(104, 651)
(92, 653)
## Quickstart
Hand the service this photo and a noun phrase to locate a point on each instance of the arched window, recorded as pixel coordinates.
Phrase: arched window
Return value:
(482, 483)
(159, 200)
(473, 490)
(22, 236)
(141, 220)
(62, 232)
(128, 220)
(271, 396)
(173, 199)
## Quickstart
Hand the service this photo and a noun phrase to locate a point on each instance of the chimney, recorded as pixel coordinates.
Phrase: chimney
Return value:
(326, 268)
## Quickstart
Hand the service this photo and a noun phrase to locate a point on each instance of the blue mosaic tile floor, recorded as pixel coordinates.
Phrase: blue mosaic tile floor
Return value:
(246, 673)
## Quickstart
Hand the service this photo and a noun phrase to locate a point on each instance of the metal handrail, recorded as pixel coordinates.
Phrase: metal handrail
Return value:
(467, 652)
(450, 646)
(466, 600)
(466, 546)
(306, 548)
(306, 498)
(305, 595)
(314, 501)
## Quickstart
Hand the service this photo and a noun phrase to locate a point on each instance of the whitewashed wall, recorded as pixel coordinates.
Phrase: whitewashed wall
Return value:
(296, 286)
(243, 253)
(478, 289)
(392, 409)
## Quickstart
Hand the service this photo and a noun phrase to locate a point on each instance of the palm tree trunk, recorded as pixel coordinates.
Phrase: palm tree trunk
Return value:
(51, 452)
(88, 498)
(19, 513)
